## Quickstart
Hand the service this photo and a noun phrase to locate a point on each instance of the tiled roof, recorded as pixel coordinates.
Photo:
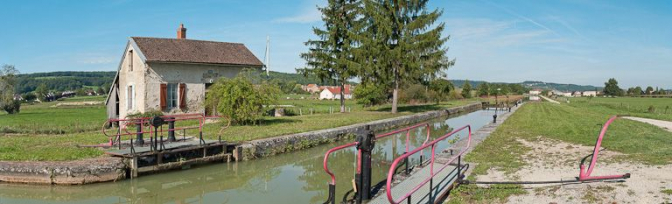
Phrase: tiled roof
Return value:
(195, 51)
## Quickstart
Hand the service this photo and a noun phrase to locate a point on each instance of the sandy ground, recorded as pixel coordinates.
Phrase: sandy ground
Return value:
(554, 160)
(667, 125)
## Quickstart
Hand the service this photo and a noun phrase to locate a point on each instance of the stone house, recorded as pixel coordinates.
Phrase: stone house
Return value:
(172, 75)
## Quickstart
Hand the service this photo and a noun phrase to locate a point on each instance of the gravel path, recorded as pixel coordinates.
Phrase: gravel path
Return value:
(549, 100)
(667, 125)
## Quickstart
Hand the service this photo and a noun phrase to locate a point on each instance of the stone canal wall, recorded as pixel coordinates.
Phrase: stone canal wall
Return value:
(277, 145)
(67, 173)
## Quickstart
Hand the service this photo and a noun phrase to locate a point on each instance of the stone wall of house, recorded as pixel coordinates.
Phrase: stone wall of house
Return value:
(194, 76)
(131, 78)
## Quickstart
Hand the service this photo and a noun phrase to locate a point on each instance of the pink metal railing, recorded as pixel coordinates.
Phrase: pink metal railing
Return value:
(585, 175)
(432, 173)
(407, 130)
(142, 122)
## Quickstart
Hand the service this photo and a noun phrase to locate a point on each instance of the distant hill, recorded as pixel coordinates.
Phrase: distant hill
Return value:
(537, 84)
(62, 81)
(560, 87)
(72, 80)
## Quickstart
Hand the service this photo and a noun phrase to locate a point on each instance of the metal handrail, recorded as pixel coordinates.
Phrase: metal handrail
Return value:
(431, 144)
(407, 129)
(145, 120)
(585, 175)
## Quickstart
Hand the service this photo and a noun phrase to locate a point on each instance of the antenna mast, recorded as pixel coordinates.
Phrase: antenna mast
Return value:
(267, 57)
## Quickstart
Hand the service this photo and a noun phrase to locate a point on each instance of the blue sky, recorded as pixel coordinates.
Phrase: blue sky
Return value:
(582, 42)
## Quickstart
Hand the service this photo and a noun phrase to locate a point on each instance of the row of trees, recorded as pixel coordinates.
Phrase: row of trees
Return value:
(386, 44)
(611, 88)
(637, 91)
(489, 89)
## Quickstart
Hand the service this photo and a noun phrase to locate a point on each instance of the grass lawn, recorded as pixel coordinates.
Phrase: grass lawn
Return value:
(661, 107)
(578, 123)
(49, 147)
(45, 118)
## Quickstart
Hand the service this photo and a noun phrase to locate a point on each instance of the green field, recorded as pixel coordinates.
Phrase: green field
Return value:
(578, 123)
(80, 126)
(45, 118)
(661, 107)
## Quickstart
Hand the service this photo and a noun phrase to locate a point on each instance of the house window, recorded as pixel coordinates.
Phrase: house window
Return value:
(172, 96)
(130, 95)
(130, 61)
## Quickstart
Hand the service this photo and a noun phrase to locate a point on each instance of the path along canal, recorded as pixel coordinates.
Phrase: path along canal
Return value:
(296, 177)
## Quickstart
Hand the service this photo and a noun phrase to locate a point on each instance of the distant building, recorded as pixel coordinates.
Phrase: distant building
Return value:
(577, 94)
(334, 92)
(589, 93)
(172, 75)
(311, 88)
(535, 92)
(18, 97)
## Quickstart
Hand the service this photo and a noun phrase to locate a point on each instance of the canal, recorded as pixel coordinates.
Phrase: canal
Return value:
(296, 177)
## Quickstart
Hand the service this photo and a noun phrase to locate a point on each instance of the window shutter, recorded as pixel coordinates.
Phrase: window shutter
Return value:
(164, 95)
(183, 93)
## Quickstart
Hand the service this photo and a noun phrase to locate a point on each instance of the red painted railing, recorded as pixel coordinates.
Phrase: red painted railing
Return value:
(408, 133)
(433, 173)
(146, 128)
(585, 175)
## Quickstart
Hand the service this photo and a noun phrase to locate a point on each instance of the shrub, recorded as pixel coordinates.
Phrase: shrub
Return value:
(12, 107)
(415, 93)
(652, 109)
(146, 114)
(370, 95)
(241, 100)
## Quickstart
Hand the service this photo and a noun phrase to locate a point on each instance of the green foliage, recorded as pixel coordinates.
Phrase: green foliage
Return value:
(483, 89)
(62, 81)
(331, 57)
(611, 88)
(440, 88)
(414, 94)
(7, 82)
(29, 96)
(146, 114)
(466, 89)
(370, 95)
(42, 91)
(12, 107)
(241, 100)
(400, 44)
(649, 90)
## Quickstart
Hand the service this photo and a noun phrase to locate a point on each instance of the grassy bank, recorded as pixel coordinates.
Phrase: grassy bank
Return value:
(578, 123)
(48, 147)
(48, 118)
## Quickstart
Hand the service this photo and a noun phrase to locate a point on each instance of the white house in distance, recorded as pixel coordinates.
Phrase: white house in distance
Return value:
(589, 93)
(172, 74)
(335, 93)
(535, 92)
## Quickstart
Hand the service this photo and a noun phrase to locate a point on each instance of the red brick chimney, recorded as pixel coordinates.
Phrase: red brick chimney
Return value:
(182, 32)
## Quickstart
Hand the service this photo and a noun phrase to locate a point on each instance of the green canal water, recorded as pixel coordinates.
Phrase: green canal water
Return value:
(296, 177)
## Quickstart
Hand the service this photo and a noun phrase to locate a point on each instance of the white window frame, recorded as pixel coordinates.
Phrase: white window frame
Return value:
(130, 100)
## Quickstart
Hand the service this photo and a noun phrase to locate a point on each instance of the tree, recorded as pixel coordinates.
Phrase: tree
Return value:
(7, 83)
(101, 91)
(42, 91)
(29, 97)
(611, 88)
(649, 90)
(466, 89)
(400, 44)
(240, 100)
(331, 57)
(637, 91)
(442, 88)
(483, 89)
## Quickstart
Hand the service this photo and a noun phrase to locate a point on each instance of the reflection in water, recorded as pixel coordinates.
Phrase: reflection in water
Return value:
(296, 177)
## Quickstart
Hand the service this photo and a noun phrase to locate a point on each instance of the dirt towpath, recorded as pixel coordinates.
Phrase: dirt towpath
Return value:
(667, 125)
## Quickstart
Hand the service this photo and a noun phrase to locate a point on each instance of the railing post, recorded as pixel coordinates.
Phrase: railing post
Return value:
(171, 129)
(365, 143)
(139, 138)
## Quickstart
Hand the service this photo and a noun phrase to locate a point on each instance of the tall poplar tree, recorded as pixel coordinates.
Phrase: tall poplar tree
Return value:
(330, 58)
(400, 44)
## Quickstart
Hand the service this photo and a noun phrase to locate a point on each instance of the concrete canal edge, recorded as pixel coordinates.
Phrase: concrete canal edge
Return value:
(78, 172)
(282, 144)
(107, 169)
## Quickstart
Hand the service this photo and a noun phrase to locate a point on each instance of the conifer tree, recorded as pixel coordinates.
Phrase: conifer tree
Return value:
(330, 57)
(400, 44)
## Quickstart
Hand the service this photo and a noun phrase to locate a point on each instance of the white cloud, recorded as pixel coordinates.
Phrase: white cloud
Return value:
(308, 14)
